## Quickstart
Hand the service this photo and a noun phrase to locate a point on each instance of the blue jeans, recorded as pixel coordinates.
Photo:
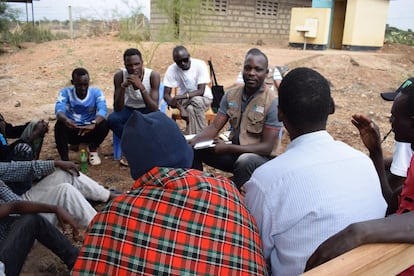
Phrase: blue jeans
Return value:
(118, 119)
(21, 236)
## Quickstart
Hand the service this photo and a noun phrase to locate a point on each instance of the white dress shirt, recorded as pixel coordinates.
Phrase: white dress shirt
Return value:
(313, 190)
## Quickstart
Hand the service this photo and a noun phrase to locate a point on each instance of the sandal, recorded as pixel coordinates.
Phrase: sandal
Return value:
(123, 162)
(94, 159)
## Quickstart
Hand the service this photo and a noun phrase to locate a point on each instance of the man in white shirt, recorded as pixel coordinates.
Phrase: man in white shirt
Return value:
(191, 77)
(317, 187)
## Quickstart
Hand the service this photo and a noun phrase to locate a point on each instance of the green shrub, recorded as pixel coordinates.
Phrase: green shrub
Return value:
(134, 28)
(395, 35)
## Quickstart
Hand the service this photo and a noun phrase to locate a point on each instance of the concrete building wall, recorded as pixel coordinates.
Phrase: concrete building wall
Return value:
(246, 21)
(360, 32)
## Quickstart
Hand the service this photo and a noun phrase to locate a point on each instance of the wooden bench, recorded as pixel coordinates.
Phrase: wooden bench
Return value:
(369, 259)
(210, 115)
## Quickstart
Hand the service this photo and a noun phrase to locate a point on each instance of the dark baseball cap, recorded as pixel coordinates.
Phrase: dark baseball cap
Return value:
(390, 96)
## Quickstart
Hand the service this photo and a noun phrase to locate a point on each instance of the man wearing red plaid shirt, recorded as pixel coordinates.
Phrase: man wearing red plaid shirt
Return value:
(175, 221)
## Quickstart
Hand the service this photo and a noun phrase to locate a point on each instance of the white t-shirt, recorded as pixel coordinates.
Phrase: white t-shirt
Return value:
(188, 80)
(316, 188)
(401, 158)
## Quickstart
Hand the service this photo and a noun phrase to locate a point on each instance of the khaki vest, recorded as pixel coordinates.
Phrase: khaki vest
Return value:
(251, 123)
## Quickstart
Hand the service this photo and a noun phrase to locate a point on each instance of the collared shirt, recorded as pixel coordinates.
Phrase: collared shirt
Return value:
(174, 222)
(16, 171)
(6, 195)
(17, 174)
(317, 187)
(81, 111)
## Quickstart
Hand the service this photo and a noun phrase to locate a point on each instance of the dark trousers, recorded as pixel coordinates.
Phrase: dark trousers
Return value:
(65, 136)
(241, 165)
(224, 162)
(23, 232)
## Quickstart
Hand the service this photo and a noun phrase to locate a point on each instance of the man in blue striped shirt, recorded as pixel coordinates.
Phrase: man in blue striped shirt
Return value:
(80, 111)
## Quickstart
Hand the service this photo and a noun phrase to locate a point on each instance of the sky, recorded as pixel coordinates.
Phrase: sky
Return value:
(400, 14)
(101, 9)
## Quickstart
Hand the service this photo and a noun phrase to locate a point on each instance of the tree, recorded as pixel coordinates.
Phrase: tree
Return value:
(7, 15)
(179, 12)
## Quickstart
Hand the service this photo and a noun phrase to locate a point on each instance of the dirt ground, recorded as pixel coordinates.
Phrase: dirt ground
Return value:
(30, 79)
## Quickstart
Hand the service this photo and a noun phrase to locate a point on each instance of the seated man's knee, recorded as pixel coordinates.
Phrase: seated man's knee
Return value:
(59, 126)
(245, 166)
(30, 221)
(65, 189)
(114, 119)
(245, 161)
(190, 108)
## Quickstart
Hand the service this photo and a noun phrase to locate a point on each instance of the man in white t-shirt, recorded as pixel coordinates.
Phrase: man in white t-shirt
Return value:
(191, 77)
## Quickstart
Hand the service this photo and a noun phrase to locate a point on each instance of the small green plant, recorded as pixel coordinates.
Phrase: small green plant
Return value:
(395, 35)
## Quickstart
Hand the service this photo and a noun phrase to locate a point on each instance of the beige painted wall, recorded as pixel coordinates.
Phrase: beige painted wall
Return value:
(365, 23)
(298, 18)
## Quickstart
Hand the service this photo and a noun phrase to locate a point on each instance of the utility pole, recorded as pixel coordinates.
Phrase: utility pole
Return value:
(70, 21)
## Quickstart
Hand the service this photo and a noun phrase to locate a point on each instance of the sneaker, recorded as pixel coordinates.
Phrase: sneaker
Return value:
(94, 159)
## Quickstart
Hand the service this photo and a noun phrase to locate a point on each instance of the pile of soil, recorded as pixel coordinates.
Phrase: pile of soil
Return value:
(30, 79)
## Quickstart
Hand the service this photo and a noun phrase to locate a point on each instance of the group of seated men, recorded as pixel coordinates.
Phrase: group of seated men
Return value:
(250, 109)
(179, 220)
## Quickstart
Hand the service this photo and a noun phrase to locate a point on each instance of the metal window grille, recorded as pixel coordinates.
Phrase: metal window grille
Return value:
(214, 6)
(267, 8)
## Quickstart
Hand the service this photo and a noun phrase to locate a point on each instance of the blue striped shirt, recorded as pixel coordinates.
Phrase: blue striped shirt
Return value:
(81, 111)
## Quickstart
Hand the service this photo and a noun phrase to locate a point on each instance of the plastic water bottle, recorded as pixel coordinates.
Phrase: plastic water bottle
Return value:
(84, 161)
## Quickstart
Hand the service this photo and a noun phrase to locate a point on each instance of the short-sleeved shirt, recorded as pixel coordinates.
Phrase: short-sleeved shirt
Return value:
(401, 158)
(81, 111)
(174, 222)
(188, 80)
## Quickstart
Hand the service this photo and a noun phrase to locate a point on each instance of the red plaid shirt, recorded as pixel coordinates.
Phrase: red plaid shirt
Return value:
(174, 222)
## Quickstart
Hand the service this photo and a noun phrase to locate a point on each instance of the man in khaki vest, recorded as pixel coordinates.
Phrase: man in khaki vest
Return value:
(251, 110)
